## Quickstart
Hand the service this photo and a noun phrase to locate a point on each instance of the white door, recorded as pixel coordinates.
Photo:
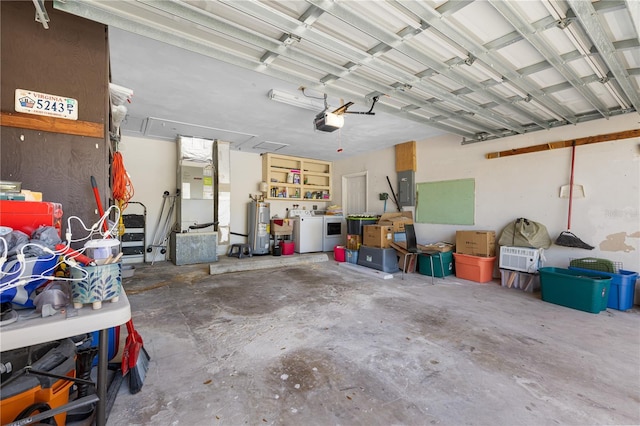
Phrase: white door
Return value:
(354, 193)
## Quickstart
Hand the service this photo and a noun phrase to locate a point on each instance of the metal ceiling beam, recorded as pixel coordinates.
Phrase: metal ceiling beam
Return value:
(631, 43)
(347, 78)
(486, 54)
(513, 16)
(545, 65)
(277, 48)
(274, 48)
(284, 23)
(391, 39)
(287, 24)
(130, 20)
(589, 20)
(609, 5)
(634, 12)
(450, 7)
(113, 14)
(484, 90)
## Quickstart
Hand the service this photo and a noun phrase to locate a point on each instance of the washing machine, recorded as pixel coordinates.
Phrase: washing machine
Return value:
(307, 231)
(334, 232)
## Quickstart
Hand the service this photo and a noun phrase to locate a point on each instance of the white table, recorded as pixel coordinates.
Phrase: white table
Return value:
(56, 327)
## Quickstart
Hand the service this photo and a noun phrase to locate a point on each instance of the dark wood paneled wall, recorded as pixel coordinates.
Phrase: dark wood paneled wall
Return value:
(69, 59)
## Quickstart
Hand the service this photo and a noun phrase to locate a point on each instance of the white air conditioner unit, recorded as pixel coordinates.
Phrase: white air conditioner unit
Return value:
(521, 259)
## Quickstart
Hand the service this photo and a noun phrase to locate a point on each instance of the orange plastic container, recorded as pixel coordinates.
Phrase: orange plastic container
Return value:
(56, 396)
(474, 268)
(340, 253)
(12, 406)
(56, 357)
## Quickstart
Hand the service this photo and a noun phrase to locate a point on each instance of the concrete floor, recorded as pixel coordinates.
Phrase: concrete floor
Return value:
(320, 344)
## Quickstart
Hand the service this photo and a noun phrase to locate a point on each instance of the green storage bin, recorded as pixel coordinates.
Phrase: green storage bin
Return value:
(594, 263)
(424, 264)
(575, 289)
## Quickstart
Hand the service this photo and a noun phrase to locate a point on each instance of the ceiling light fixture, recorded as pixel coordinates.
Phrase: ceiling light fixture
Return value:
(299, 101)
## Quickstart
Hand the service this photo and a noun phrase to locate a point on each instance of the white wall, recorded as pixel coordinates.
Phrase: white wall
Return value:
(151, 165)
(528, 185)
(246, 174)
(506, 188)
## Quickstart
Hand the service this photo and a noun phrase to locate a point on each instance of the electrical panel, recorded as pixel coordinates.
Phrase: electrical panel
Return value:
(407, 188)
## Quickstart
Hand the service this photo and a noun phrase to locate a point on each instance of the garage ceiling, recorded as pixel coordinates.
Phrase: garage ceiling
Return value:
(478, 69)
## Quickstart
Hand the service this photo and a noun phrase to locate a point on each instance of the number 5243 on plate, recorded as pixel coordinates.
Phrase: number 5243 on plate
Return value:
(31, 102)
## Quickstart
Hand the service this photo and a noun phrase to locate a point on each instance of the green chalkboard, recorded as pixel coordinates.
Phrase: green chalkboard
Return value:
(450, 202)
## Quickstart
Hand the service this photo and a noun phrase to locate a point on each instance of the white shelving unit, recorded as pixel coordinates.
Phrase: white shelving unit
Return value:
(296, 178)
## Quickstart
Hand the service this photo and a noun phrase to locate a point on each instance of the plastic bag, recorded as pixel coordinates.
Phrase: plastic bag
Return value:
(55, 296)
(15, 241)
(524, 232)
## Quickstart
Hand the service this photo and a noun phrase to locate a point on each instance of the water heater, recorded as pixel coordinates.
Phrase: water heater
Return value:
(259, 220)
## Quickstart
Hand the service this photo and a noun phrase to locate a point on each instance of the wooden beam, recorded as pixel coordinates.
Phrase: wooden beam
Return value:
(627, 134)
(52, 124)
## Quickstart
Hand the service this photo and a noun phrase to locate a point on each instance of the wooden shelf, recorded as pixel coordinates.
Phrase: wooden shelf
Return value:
(296, 178)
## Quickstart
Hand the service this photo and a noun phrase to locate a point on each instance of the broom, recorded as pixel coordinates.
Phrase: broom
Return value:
(567, 238)
(135, 359)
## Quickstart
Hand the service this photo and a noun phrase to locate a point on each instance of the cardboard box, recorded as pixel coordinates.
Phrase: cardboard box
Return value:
(354, 241)
(281, 227)
(31, 195)
(377, 236)
(476, 243)
(411, 262)
(441, 246)
(396, 220)
(401, 252)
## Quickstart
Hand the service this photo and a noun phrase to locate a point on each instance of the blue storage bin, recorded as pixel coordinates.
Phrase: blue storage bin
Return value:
(382, 259)
(352, 256)
(113, 343)
(623, 286)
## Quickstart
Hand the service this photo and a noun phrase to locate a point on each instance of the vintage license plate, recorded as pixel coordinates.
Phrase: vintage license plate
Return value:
(31, 102)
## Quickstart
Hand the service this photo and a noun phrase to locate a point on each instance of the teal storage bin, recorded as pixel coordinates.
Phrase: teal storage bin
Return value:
(585, 291)
(442, 260)
(622, 289)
